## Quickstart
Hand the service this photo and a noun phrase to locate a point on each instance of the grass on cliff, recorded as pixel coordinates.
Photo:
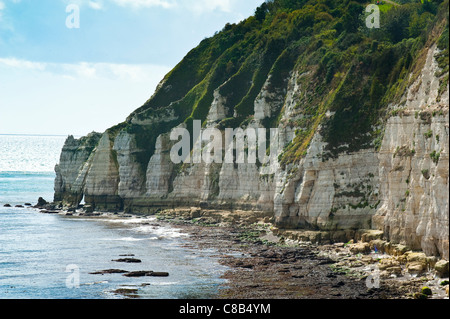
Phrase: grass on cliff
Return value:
(344, 67)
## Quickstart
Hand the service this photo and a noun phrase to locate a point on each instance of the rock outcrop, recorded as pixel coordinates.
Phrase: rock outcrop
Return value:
(414, 183)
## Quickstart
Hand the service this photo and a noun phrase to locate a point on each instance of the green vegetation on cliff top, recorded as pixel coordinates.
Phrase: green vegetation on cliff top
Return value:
(345, 68)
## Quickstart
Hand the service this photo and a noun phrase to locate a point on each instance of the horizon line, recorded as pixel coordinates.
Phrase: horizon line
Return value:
(29, 134)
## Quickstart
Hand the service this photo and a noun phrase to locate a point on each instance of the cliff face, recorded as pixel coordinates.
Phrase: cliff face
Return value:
(413, 167)
(365, 147)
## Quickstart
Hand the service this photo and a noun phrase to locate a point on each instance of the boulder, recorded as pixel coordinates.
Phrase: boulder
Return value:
(7, 205)
(389, 267)
(398, 250)
(395, 271)
(109, 271)
(418, 295)
(415, 267)
(195, 212)
(128, 292)
(442, 268)
(427, 291)
(360, 248)
(19, 206)
(417, 263)
(137, 273)
(127, 260)
(386, 263)
(159, 274)
(41, 202)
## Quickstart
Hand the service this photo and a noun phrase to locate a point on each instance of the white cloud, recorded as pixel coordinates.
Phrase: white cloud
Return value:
(21, 64)
(203, 6)
(95, 5)
(85, 70)
(144, 3)
(2, 6)
(194, 6)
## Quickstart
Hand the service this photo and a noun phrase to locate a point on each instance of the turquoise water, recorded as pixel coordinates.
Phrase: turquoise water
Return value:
(45, 256)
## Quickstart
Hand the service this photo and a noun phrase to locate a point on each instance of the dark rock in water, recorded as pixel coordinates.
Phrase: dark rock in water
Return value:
(159, 274)
(92, 214)
(7, 205)
(19, 206)
(127, 292)
(144, 273)
(41, 202)
(109, 271)
(27, 204)
(138, 273)
(48, 212)
(128, 260)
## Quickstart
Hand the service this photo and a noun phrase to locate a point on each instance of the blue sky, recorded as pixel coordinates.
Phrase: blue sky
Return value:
(60, 80)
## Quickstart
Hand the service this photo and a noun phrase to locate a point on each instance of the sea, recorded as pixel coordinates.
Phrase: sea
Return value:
(51, 256)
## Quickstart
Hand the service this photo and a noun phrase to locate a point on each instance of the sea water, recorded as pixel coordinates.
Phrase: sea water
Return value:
(50, 256)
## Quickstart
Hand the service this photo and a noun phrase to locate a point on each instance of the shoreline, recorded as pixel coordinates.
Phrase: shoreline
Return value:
(267, 263)
(272, 267)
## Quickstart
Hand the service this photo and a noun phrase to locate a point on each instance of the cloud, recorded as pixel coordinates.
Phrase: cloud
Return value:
(203, 6)
(144, 3)
(194, 6)
(85, 70)
(2, 6)
(95, 5)
(21, 64)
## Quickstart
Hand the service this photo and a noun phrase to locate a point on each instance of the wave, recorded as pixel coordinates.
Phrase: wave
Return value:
(126, 239)
(160, 232)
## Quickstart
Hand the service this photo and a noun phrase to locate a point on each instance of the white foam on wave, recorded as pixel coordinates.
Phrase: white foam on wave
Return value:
(160, 232)
(167, 283)
(146, 226)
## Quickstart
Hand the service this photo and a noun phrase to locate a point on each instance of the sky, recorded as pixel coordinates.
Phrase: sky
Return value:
(70, 67)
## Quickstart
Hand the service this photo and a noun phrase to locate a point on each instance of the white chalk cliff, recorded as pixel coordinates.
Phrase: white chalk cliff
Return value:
(400, 186)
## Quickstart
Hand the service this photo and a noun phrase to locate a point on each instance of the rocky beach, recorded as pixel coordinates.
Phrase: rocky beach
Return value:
(269, 263)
